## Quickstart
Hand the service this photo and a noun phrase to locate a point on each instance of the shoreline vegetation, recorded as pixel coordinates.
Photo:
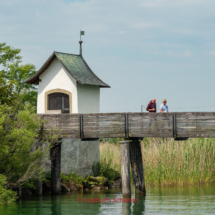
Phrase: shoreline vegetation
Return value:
(167, 162)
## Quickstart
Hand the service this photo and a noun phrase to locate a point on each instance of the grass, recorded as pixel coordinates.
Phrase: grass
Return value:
(103, 168)
(73, 177)
(110, 153)
(170, 163)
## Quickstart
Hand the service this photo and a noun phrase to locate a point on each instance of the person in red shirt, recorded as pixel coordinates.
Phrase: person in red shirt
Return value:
(152, 106)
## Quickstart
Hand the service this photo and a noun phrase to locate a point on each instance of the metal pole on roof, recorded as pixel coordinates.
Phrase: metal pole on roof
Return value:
(81, 33)
(80, 52)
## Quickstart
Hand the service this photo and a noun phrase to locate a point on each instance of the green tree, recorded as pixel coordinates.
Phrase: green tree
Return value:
(8, 55)
(7, 93)
(20, 154)
(6, 195)
(13, 70)
(23, 146)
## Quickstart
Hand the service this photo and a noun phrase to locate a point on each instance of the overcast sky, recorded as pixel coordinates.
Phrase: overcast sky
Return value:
(142, 49)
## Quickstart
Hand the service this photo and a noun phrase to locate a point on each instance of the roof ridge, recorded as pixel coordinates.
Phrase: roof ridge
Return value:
(66, 53)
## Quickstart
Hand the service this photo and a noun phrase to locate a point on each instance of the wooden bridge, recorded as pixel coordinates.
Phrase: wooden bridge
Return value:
(132, 125)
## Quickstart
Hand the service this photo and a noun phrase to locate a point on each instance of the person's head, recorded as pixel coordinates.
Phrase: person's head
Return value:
(164, 101)
(153, 100)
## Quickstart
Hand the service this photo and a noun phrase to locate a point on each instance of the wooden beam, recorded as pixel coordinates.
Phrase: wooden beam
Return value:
(101, 125)
(39, 187)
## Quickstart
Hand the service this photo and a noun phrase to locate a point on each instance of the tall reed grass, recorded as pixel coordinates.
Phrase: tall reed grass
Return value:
(167, 162)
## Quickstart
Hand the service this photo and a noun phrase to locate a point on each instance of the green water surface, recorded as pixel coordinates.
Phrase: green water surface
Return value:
(171, 200)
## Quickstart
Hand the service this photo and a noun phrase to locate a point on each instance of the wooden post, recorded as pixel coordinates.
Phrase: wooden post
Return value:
(137, 166)
(125, 168)
(39, 187)
(56, 168)
(19, 191)
(38, 182)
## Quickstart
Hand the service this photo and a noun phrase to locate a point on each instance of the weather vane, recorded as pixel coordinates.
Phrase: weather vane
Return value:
(81, 33)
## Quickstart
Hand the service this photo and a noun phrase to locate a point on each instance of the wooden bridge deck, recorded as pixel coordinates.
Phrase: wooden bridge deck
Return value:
(128, 125)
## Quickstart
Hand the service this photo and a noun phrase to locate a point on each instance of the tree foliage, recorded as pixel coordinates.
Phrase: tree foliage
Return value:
(20, 154)
(6, 195)
(7, 93)
(8, 55)
(23, 146)
(16, 74)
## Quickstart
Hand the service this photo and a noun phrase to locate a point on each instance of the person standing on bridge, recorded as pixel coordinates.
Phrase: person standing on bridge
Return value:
(152, 106)
(164, 107)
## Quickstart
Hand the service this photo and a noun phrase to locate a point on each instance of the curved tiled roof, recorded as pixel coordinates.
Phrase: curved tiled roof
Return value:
(75, 65)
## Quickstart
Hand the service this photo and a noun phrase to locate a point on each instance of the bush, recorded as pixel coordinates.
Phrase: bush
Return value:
(6, 196)
(72, 177)
(103, 168)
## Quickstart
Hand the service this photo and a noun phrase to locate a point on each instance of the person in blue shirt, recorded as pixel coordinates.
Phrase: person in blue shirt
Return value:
(164, 108)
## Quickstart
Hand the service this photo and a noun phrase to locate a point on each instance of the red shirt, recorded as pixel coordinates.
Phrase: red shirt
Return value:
(151, 106)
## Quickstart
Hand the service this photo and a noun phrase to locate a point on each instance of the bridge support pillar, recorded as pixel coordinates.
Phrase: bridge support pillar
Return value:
(125, 168)
(137, 166)
(38, 182)
(39, 187)
(55, 153)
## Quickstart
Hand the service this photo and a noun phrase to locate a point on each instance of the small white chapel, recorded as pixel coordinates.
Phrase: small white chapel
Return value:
(66, 84)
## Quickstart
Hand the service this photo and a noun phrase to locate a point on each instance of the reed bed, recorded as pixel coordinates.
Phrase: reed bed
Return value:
(170, 163)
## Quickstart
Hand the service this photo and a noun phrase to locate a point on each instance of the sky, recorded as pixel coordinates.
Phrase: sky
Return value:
(144, 49)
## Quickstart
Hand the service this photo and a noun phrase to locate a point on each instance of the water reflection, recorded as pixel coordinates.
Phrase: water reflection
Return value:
(171, 200)
(139, 206)
(55, 205)
(126, 208)
(39, 205)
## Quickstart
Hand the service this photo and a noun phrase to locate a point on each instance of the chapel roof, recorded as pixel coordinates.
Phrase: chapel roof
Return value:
(75, 65)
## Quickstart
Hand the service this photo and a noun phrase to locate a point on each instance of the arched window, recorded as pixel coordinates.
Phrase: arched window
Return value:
(58, 101)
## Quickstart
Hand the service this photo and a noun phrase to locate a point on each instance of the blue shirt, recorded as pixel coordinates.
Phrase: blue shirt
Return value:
(164, 108)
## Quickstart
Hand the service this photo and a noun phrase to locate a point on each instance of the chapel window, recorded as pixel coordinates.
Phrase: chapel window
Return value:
(59, 101)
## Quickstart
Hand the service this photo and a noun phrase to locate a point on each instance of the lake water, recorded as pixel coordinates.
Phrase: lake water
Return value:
(172, 200)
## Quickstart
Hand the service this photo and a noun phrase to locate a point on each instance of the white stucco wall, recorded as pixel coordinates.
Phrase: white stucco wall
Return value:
(88, 98)
(56, 77)
(76, 155)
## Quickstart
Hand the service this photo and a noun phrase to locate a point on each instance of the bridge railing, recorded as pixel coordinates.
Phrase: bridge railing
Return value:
(183, 124)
